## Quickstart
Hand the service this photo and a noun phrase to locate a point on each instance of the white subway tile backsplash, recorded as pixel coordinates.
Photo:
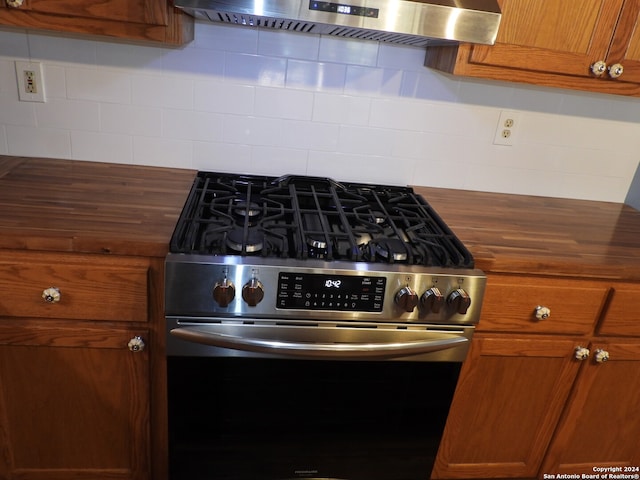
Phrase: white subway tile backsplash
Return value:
(13, 43)
(131, 120)
(255, 70)
(13, 112)
(222, 157)
(310, 135)
(69, 115)
(278, 161)
(400, 57)
(248, 130)
(212, 96)
(197, 62)
(55, 80)
(102, 147)
(38, 142)
(284, 103)
(8, 84)
(273, 102)
(64, 49)
(343, 109)
(189, 125)
(121, 56)
(316, 76)
(373, 80)
(277, 43)
(226, 38)
(360, 168)
(366, 140)
(97, 84)
(348, 51)
(162, 92)
(162, 152)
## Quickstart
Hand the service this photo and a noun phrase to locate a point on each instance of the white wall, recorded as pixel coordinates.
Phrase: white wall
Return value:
(242, 100)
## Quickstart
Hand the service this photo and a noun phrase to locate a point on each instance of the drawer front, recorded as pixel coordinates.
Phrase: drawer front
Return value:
(78, 287)
(510, 304)
(623, 315)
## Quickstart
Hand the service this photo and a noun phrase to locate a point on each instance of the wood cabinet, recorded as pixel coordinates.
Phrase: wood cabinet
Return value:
(509, 397)
(147, 20)
(526, 404)
(601, 426)
(555, 44)
(76, 379)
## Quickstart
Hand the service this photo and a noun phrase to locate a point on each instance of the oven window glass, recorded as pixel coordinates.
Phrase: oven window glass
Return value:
(236, 418)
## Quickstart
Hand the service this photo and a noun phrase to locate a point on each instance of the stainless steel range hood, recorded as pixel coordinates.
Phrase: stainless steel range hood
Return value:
(409, 22)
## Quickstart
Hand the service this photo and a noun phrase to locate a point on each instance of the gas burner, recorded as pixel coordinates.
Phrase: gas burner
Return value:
(391, 249)
(246, 210)
(252, 243)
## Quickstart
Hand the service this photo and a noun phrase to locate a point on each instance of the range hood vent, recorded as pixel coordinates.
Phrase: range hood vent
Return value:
(407, 22)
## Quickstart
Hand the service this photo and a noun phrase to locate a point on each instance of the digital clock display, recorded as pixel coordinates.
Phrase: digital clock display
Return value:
(343, 9)
(309, 291)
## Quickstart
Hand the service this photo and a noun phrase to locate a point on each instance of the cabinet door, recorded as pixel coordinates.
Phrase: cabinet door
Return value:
(509, 397)
(554, 44)
(136, 11)
(625, 48)
(563, 36)
(74, 403)
(601, 425)
(148, 20)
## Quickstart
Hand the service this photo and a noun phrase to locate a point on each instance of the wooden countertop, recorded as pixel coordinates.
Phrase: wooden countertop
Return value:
(549, 236)
(72, 206)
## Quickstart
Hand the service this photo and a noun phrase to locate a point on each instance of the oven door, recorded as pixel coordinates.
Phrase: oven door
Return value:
(259, 401)
(319, 340)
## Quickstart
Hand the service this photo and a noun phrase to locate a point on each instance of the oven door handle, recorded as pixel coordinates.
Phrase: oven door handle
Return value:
(353, 347)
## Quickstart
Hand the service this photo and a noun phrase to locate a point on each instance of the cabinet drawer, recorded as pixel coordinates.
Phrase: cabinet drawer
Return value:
(510, 305)
(90, 287)
(623, 314)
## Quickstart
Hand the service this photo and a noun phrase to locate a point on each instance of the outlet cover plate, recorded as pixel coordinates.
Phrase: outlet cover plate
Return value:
(38, 82)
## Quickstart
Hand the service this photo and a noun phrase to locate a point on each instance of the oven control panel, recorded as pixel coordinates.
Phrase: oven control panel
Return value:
(314, 291)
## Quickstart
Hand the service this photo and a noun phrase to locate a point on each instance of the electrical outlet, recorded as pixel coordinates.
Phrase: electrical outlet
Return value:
(507, 127)
(30, 82)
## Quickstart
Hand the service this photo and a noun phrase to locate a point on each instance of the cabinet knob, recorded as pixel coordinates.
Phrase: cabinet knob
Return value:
(581, 353)
(542, 313)
(136, 344)
(601, 356)
(599, 68)
(15, 3)
(615, 70)
(51, 295)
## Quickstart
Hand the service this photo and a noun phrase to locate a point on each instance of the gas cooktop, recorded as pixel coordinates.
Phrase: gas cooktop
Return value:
(300, 217)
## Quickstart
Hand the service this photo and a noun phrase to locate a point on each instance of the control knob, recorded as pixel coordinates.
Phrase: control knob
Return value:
(407, 299)
(224, 292)
(253, 292)
(432, 300)
(460, 300)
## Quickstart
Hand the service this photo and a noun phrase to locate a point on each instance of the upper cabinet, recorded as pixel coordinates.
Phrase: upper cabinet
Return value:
(146, 20)
(588, 45)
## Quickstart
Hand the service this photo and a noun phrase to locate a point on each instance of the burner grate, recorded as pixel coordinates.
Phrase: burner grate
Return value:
(314, 218)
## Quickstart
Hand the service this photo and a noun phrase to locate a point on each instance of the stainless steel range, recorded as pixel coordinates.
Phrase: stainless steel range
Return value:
(321, 277)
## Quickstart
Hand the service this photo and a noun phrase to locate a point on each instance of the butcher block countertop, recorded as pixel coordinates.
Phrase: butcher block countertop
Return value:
(73, 206)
